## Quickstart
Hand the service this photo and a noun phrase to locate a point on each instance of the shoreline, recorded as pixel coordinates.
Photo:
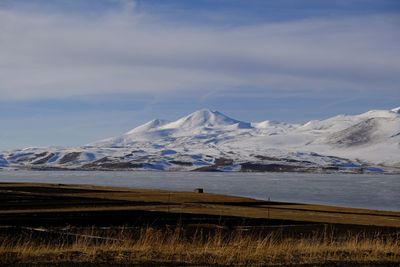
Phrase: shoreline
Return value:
(90, 198)
(376, 192)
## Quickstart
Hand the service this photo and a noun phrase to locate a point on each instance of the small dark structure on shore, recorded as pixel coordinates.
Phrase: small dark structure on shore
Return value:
(199, 190)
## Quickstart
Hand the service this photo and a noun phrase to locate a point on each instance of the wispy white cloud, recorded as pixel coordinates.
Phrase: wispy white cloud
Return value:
(48, 55)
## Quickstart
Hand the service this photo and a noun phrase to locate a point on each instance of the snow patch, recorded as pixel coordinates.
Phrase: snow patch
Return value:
(3, 161)
(396, 110)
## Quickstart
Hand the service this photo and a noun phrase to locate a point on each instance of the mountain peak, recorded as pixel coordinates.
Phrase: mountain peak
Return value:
(206, 118)
(148, 126)
(396, 110)
(381, 113)
(207, 114)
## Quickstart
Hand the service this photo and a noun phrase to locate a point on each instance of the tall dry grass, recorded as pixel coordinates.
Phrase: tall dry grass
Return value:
(175, 246)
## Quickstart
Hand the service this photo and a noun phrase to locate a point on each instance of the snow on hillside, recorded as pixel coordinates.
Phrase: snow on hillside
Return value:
(199, 126)
(210, 140)
(206, 119)
(3, 161)
(396, 110)
(153, 124)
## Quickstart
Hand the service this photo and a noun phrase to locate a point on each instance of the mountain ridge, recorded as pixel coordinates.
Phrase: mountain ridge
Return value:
(209, 140)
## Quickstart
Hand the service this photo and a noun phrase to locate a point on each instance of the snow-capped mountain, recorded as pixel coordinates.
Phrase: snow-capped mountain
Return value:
(211, 141)
(198, 125)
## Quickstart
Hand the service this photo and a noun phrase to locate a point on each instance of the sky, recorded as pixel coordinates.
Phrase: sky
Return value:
(75, 71)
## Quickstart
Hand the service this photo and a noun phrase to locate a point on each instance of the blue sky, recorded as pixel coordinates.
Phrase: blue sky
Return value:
(72, 72)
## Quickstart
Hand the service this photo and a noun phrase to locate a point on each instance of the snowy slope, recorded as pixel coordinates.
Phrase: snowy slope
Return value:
(198, 125)
(3, 161)
(210, 140)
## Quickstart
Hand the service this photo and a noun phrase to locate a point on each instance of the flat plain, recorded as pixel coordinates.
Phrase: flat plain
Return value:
(59, 223)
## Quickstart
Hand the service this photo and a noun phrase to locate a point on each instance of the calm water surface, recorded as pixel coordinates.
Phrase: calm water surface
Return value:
(364, 191)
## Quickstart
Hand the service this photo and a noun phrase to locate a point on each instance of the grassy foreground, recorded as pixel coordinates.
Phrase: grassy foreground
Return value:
(173, 247)
(75, 225)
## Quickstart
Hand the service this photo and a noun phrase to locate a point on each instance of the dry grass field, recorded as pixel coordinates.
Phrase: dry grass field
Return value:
(153, 246)
(64, 225)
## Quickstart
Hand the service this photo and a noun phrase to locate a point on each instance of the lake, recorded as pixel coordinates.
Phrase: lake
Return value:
(373, 191)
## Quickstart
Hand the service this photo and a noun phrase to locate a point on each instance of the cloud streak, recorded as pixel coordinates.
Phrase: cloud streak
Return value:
(48, 55)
